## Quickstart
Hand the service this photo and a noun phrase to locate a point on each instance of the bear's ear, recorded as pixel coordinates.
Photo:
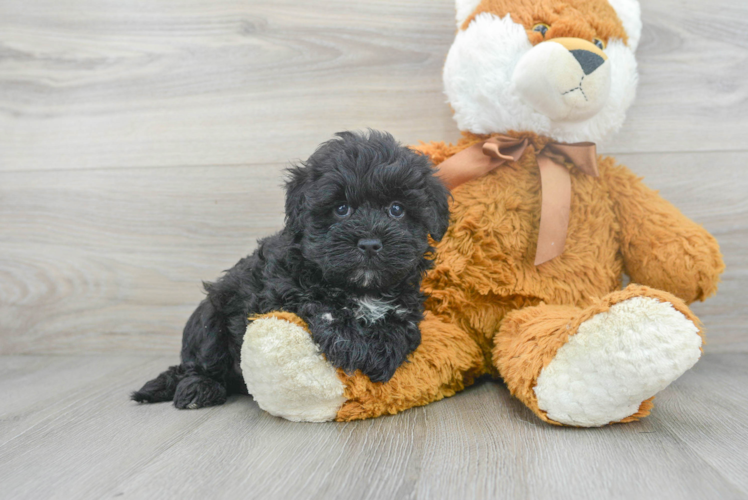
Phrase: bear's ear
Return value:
(629, 12)
(464, 9)
(296, 186)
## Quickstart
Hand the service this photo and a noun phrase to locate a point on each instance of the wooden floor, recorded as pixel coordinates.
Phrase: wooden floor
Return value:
(68, 431)
(142, 145)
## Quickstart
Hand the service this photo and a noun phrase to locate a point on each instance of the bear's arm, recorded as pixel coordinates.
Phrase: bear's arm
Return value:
(661, 247)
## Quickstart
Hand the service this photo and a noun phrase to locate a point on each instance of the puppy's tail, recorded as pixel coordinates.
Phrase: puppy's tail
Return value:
(161, 388)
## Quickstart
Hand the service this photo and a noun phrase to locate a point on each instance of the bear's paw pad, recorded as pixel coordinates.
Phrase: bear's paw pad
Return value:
(287, 375)
(617, 360)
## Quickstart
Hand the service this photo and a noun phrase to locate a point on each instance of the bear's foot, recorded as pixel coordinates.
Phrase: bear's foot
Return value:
(600, 365)
(289, 377)
(285, 372)
(617, 360)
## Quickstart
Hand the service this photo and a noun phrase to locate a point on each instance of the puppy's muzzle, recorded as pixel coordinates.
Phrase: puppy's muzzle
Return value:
(565, 79)
(370, 246)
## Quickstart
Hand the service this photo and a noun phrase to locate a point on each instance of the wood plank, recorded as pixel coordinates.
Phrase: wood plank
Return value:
(688, 82)
(112, 259)
(706, 411)
(267, 457)
(482, 443)
(222, 82)
(32, 385)
(504, 450)
(90, 436)
(86, 84)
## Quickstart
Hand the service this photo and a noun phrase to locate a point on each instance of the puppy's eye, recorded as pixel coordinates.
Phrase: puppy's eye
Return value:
(342, 210)
(599, 43)
(396, 211)
(541, 28)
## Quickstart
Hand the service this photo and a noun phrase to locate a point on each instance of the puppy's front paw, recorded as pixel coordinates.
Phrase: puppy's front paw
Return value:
(286, 373)
(377, 349)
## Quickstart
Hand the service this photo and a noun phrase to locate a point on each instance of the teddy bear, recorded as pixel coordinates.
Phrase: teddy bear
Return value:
(527, 283)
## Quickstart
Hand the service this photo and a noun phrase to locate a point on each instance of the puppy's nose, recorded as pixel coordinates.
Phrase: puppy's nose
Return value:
(589, 61)
(370, 246)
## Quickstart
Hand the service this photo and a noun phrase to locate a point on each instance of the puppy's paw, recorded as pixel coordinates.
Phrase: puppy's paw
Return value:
(197, 392)
(286, 373)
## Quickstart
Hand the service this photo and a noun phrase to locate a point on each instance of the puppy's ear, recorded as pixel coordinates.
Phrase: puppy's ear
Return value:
(439, 216)
(296, 186)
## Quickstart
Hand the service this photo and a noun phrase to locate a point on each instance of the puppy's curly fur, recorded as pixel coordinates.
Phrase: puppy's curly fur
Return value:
(349, 262)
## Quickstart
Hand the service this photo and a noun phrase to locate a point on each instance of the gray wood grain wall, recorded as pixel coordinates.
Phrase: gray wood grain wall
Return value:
(142, 143)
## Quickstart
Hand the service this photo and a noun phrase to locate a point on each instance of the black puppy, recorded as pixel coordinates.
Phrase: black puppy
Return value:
(349, 262)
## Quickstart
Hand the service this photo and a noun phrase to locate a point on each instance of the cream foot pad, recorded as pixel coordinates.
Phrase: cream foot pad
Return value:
(287, 375)
(617, 360)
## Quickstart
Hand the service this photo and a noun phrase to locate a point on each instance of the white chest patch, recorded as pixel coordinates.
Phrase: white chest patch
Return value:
(372, 309)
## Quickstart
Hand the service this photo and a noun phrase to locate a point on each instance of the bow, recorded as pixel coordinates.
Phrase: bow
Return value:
(483, 157)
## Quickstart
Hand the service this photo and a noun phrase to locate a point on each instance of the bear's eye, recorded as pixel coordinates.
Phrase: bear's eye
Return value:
(599, 43)
(541, 28)
(342, 210)
(396, 211)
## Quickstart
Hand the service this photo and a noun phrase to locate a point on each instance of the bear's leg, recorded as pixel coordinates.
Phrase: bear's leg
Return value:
(599, 365)
(288, 376)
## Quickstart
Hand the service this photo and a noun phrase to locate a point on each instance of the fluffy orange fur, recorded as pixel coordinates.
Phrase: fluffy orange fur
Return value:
(494, 311)
(585, 19)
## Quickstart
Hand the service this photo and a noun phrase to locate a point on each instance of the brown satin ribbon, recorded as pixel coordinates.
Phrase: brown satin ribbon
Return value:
(480, 159)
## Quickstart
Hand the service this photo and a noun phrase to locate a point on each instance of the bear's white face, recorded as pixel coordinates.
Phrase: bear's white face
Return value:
(565, 79)
(567, 89)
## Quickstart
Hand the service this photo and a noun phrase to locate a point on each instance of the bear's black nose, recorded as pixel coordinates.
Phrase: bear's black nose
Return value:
(370, 246)
(589, 61)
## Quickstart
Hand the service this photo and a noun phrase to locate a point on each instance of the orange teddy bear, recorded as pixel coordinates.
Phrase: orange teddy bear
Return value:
(527, 281)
